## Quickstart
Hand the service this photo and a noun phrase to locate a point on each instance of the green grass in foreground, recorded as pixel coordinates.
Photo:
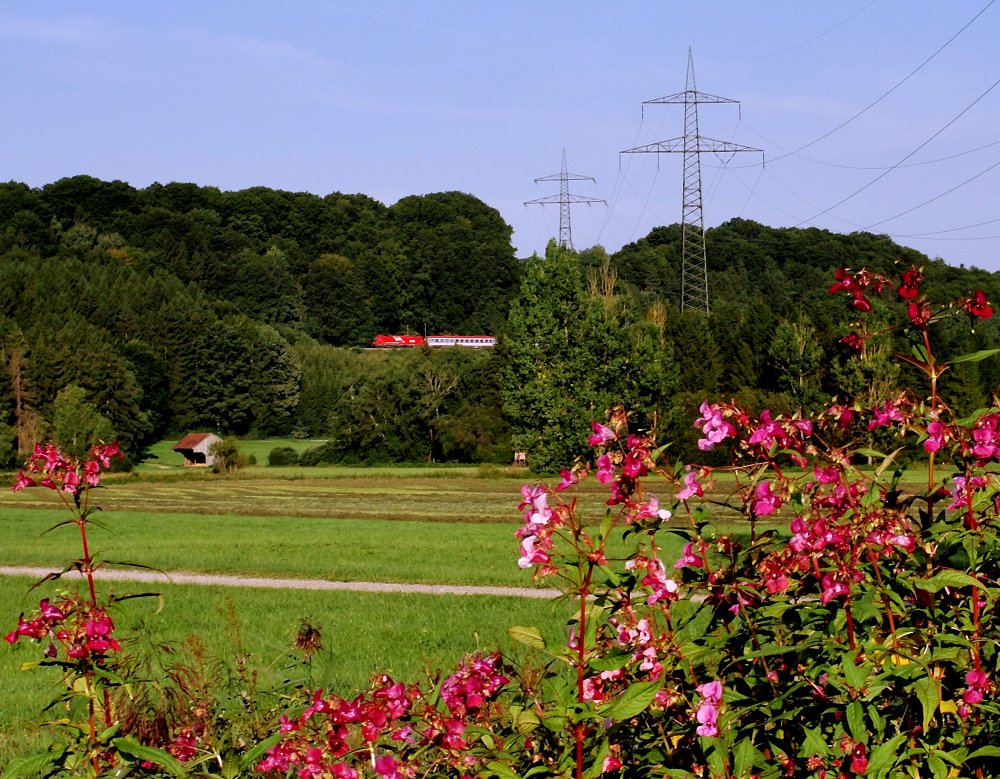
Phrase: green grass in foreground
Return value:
(363, 633)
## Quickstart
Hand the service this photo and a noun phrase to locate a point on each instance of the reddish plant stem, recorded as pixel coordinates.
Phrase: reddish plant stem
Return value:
(850, 626)
(88, 568)
(579, 731)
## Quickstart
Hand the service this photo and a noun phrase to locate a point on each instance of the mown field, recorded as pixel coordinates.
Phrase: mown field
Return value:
(423, 525)
(410, 525)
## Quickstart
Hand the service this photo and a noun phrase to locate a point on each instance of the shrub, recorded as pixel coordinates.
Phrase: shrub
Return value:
(228, 456)
(282, 455)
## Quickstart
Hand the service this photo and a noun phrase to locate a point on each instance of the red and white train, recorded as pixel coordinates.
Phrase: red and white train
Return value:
(395, 341)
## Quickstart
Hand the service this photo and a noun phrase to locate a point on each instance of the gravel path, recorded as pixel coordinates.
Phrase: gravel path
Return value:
(178, 577)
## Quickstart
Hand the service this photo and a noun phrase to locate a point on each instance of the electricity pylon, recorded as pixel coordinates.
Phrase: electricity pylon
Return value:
(564, 199)
(694, 261)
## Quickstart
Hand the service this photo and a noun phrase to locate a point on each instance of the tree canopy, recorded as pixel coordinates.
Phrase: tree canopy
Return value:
(179, 306)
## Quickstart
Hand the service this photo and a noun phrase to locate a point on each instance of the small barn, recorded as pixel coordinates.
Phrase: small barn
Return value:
(195, 447)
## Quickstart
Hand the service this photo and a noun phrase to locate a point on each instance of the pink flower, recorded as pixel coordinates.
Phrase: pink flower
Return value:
(832, 588)
(711, 691)
(652, 509)
(92, 472)
(662, 587)
(568, 480)
(688, 557)
(707, 712)
(602, 435)
(104, 452)
(605, 469)
(977, 681)
(714, 426)
(22, 482)
(978, 305)
(882, 416)
(962, 491)
(765, 502)
(71, 482)
(691, 487)
(530, 555)
(385, 766)
(935, 436)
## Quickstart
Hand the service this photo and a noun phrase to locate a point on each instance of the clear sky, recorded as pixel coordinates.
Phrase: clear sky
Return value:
(879, 115)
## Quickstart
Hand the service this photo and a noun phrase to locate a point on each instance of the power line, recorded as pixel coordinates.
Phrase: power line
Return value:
(889, 170)
(884, 95)
(797, 45)
(936, 197)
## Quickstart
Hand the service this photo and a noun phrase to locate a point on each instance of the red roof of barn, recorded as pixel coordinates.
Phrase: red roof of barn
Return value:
(190, 441)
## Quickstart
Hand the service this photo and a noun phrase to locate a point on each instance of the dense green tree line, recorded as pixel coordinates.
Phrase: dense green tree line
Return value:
(147, 312)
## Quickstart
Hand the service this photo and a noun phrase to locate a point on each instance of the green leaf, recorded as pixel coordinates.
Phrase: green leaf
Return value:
(743, 758)
(528, 636)
(883, 757)
(856, 722)
(166, 761)
(251, 756)
(949, 578)
(939, 769)
(814, 744)
(230, 766)
(928, 692)
(502, 771)
(632, 702)
(20, 767)
(855, 675)
(526, 721)
(974, 356)
(990, 751)
(873, 453)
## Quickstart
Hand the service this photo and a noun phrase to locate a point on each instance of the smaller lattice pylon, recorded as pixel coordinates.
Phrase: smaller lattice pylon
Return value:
(565, 199)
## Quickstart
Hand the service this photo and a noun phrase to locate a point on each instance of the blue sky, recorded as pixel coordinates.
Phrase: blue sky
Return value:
(877, 115)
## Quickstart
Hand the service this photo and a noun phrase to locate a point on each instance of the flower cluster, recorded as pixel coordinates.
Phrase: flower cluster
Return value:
(85, 632)
(919, 311)
(393, 727)
(50, 468)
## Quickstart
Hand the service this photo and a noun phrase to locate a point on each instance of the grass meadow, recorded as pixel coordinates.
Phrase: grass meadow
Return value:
(411, 525)
(423, 525)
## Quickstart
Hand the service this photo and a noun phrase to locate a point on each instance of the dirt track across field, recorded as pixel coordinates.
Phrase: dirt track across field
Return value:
(218, 580)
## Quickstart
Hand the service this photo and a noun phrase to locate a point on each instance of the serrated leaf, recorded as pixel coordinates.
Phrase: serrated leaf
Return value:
(939, 770)
(982, 354)
(814, 744)
(528, 636)
(986, 752)
(743, 758)
(526, 721)
(856, 722)
(20, 767)
(873, 453)
(854, 674)
(502, 771)
(928, 692)
(950, 578)
(882, 757)
(632, 702)
(162, 758)
(230, 766)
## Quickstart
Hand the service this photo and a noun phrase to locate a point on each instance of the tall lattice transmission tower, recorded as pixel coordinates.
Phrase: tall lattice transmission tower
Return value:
(694, 262)
(565, 199)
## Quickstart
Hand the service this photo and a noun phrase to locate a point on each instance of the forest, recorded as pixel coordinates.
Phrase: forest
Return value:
(138, 314)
